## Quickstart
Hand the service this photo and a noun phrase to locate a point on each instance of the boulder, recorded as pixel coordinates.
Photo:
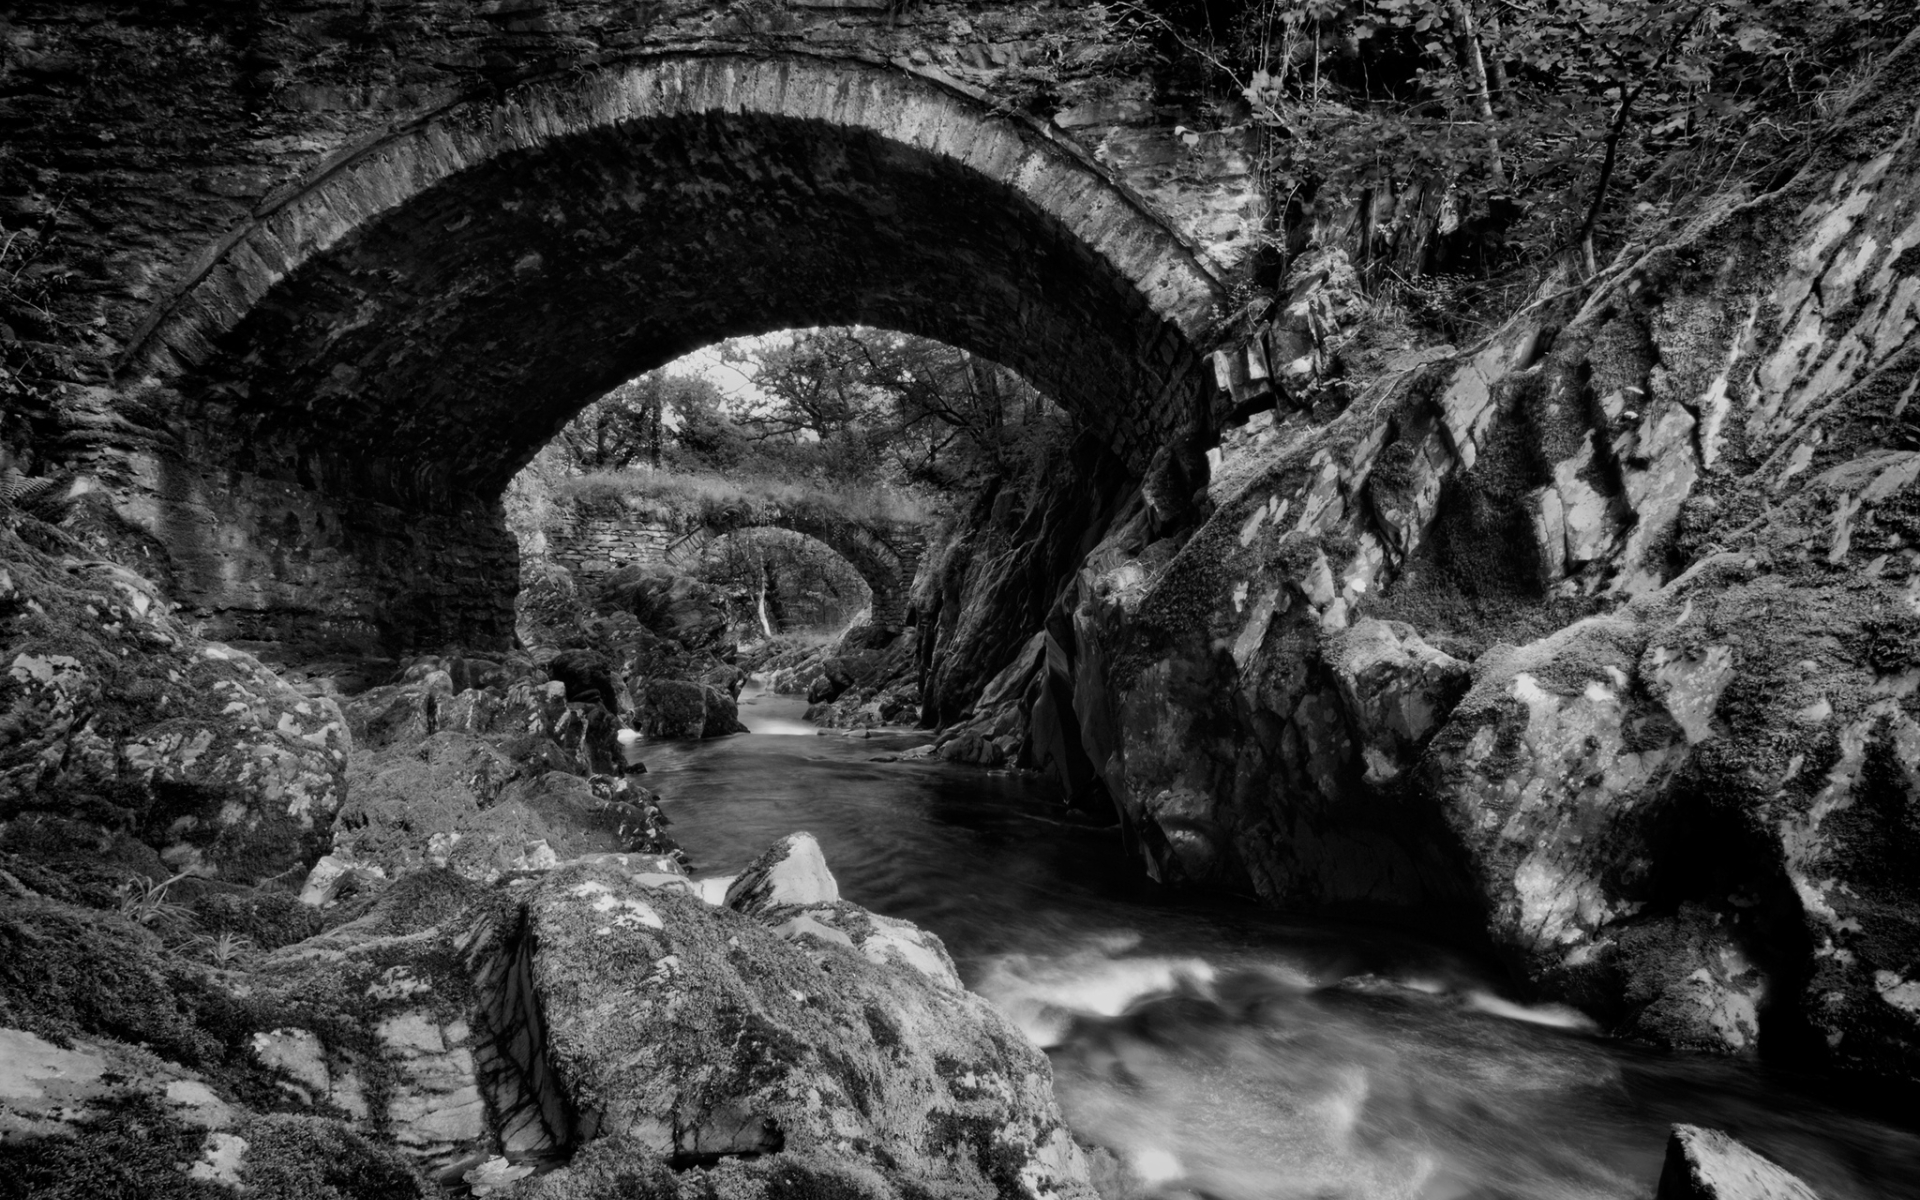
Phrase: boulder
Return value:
(398, 713)
(792, 871)
(723, 712)
(677, 607)
(835, 678)
(697, 1039)
(681, 709)
(588, 677)
(673, 708)
(1705, 1164)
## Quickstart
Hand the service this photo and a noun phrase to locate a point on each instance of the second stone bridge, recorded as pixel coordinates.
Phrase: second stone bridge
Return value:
(605, 536)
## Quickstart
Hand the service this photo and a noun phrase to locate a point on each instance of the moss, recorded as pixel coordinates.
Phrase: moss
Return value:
(1890, 644)
(130, 1151)
(266, 919)
(1394, 468)
(65, 970)
(314, 1158)
(976, 1137)
(90, 862)
(886, 1034)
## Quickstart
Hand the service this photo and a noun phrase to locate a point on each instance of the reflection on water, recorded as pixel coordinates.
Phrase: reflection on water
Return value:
(766, 714)
(1217, 1050)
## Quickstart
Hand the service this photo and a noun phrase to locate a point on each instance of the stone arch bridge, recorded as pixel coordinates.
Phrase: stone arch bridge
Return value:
(314, 408)
(884, 552)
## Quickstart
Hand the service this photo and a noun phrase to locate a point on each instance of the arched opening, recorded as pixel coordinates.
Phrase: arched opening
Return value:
(358, 373)
(781, 583)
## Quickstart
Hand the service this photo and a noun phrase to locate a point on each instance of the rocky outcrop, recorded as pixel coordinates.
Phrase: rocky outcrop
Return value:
(677, 607)
(865, 679)
(1595, 635)
(1005, 568)
(117, 716)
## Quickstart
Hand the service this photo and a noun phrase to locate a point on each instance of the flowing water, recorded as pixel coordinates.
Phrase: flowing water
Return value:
(1218, 1050)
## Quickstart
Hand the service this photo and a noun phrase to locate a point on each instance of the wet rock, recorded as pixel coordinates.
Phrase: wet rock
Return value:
(1553, 773)
(723, 712)
(1705, 1164)
(792, 871)
(832, 683)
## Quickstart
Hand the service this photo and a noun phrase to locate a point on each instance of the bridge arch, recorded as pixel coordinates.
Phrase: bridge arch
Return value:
(885, 556)
(351, 378)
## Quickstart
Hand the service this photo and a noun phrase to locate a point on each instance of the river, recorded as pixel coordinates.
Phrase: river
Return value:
(1227, 1052)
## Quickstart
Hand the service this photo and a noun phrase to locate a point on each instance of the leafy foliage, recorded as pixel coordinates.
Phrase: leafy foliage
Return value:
(1491, 133)
(628, 424)
(865, 413)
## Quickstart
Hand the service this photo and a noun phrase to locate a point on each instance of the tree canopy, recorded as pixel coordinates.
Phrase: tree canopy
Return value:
(834, 407)
(1474, 135)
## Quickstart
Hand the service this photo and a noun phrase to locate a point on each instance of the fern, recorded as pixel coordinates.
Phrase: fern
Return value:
(48, 498)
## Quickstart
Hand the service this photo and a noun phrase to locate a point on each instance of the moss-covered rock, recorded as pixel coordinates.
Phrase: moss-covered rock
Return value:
(683, 710)
(700, 1038)
(119, 717)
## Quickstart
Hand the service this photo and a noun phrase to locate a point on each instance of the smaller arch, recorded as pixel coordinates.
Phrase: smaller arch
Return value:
(884, 553)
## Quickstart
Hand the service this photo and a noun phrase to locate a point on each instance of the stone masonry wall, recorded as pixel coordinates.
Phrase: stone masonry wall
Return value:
(600, 541)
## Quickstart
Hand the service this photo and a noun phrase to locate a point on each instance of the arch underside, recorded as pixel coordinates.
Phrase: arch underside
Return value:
(417, 359)
(438, 349)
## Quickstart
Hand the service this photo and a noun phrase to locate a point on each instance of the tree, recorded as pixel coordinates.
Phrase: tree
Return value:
(628, 424)
(1484, 134)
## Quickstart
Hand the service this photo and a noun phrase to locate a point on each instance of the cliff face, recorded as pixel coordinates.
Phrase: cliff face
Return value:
(1601, 635)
